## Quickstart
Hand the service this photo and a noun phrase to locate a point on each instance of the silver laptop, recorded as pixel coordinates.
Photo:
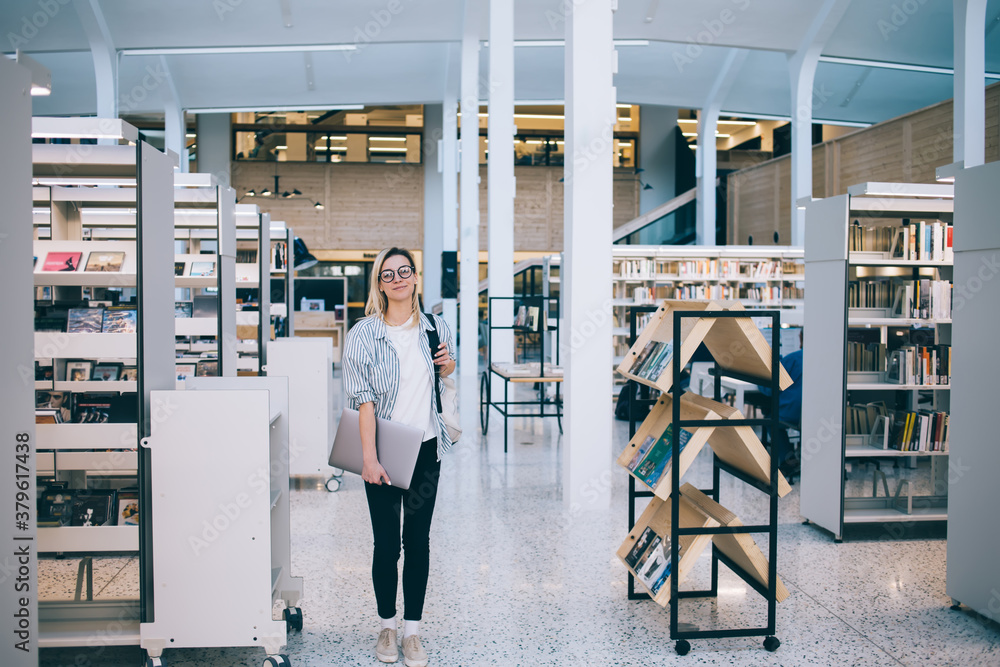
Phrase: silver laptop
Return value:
(397, 445)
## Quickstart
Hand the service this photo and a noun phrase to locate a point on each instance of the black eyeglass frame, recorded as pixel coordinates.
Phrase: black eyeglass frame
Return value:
(392, 278)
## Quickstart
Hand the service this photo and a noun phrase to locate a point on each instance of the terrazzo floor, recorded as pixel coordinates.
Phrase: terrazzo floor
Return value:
(518, 580)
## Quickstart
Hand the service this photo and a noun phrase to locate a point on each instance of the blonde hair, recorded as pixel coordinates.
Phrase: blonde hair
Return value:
(378, 302)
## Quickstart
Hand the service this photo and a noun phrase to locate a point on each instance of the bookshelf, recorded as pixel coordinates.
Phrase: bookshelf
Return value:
(881, 270)
(134, 197)
(681, 520)
(972, 575)
(756, 276)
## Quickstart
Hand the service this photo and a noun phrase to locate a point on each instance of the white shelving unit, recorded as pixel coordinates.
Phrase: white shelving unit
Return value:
(308, 365)
(223, 540)
(973, 493)
(135, 198)
(828, 452)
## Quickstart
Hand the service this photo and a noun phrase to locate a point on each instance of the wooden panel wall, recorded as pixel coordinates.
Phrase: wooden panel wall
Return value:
(371, 206)
(907, 149)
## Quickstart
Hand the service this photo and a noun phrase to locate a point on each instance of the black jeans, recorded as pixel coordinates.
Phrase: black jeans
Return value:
(416, 505)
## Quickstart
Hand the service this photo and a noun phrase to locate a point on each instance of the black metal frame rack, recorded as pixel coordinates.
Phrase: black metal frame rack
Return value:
(504, 407)
(769, 592)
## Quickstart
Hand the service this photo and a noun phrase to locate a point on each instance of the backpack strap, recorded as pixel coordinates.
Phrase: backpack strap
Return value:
(434, 340)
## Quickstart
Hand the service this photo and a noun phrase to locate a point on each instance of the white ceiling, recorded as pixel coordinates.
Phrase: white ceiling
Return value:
(408, 57)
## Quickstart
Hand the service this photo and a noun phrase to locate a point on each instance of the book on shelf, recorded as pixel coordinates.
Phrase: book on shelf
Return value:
(105, 261)
(921, 431)
(637, 269)
(246, 256)
(861, 418)
(278, 252)
(928, 365)
(521, 318)
(923, 241)
(62, 261)
(120, 319)
(646, 549)
(84, 320)
(55, 507)
(865, 357)
(653, 359)
(92, 507)
(653, 456)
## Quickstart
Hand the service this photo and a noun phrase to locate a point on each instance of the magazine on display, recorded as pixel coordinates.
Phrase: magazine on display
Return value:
(62, 261)
(120, 319)
(84, 320)
(105, 261)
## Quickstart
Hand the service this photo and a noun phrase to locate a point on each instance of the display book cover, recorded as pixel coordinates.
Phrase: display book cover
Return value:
(84, 320)
(649, 559)
(120, 319)
(62, 261)
(653, 455)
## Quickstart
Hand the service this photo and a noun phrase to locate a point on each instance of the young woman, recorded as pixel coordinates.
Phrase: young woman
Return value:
(389, 373)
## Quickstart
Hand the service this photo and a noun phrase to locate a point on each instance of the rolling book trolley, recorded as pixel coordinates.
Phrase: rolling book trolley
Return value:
(538, 373)
(680, 521)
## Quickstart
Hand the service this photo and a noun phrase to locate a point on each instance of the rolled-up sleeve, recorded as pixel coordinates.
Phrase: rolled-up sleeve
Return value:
(357, 369)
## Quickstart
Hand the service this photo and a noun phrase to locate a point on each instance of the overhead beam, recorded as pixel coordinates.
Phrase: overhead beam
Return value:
(105, 57)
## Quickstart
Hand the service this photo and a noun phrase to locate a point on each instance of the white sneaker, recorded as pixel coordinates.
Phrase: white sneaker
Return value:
(385, 649)
(413, 653)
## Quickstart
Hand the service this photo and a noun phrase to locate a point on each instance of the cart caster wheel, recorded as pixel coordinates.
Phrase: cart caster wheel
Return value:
(333, 485)
(771, 644)
(957, 606)
(155, 662)
(293, 618)
(682, 647)
(277, 661)
(337, 472)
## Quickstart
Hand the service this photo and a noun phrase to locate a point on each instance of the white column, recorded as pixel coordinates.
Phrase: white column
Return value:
(500, 175)
(705, 169)
(448, 162)
(105, 57)
(705, 157)
(433, 227)
(175, 130)
(215, 147)
(802, 72)
(970, 82)
(174, 120)
(586, 339)
(469, 184)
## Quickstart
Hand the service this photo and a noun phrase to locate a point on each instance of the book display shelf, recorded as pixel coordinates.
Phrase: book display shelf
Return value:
(282, 280)
(103, 343)
(756, 276)
(205, 276)
(876, 393)
(973, 492)
(680, 521)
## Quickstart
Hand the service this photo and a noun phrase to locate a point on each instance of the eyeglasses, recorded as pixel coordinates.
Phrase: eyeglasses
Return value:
(388, 275)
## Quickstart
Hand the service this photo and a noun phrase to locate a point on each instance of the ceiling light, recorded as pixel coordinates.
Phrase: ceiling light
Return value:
(881, 64)
(318, 206)
(386, 138)
(266, 192)
(251, 193)
(332, 137)
(719, 135)
(386, 149)
(286, 194)
(228, 50)
(190, 135)
(689, 134)
(295, 192)
(624, 106)
(281, 148)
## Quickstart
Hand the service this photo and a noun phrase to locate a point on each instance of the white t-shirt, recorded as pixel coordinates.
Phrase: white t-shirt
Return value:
(416, 385)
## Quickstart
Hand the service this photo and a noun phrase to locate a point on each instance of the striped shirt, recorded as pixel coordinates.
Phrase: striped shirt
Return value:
(371, 368)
